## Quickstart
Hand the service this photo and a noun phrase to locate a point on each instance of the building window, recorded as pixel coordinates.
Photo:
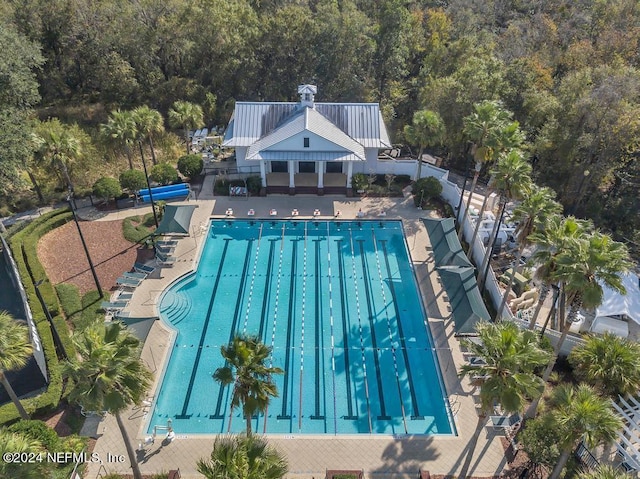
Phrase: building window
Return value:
(279, 167)
(307, 167)
(306, 142)
(334, 167)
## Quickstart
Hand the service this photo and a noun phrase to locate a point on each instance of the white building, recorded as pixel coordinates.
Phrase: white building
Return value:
(307, 147)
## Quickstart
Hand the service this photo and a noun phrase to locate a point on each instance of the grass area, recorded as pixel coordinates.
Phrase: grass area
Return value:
(136, 228)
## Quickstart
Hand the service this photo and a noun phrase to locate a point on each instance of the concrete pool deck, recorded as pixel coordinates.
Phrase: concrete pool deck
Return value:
(310, 456)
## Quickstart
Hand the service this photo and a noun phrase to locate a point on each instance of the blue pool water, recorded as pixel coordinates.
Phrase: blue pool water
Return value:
(339, 304)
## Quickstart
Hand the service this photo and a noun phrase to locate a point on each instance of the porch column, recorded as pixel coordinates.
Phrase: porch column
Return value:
(349, 175)
(263, 177)
(320, 168)
(292, 182)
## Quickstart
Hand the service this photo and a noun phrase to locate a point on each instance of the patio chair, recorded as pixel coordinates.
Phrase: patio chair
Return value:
(129, 274)
(124, 295)
(113, 305)
(143, 268)
(505, 423)
(128, 282)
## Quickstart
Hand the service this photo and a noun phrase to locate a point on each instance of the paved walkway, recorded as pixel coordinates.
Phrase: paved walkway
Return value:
(310, 456)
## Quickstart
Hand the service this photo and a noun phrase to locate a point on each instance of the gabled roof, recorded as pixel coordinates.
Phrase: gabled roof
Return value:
(252, 121)
(308, 121)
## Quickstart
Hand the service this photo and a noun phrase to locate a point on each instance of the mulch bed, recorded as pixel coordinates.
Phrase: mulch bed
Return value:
(64, 260)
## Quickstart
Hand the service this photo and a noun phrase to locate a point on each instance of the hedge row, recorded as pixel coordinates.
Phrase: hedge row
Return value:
(80, 311)
(23, 244)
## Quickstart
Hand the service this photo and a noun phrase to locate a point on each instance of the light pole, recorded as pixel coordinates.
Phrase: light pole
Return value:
(84, 244)
(144, 166)
(61, 352)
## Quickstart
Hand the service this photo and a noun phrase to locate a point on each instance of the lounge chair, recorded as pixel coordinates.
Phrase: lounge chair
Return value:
(165, 249)
(167, 243)
(128, 282)
(143, 268)
(124, 296)
(476, 361)
(113, 305)
(505, 422)
(129, 274)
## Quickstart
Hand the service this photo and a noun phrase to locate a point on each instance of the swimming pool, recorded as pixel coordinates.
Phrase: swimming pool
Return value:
(339, 304)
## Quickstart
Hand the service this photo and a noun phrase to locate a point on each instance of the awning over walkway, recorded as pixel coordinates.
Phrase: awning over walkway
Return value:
(447, 250)
(467, 307)
(176, 219)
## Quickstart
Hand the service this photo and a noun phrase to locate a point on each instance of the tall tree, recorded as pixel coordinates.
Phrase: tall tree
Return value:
(121, 129)
(510, 358)
(243, 457)
(15, 349)
(580, 414)
(491, 131)
(510, 178)
(246, 368)
(427, 129)
(108, 374)
(608, 362)
(186, 115)
(149, 122)
(530, 214)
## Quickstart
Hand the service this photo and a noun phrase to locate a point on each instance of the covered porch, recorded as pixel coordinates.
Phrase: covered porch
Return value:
(298, 177)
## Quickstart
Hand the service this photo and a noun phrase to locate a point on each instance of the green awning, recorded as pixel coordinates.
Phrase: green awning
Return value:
(176, 220)
(140, 327)
(467, 307)
(447, 250)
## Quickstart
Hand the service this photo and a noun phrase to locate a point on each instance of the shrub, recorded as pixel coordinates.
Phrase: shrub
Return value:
(38, 430)
(359, 181)
(133, 180)
(136, 228)
(91, 310)
(426, 189)
(163, 173)
(254, 185)
(69, 298)
(190, 165)
(107, 188)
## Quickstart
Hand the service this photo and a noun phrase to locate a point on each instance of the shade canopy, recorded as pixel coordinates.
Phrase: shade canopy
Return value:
(467, 306)
(616, 304)
(176, 219)
(447, 250)
(140, 327)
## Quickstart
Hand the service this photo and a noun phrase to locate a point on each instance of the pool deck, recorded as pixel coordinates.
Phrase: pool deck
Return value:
(310, 456)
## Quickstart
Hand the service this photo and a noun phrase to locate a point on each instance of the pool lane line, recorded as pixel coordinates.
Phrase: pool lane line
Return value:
(414, 398)
(393, 349)
(302, 315)
(318, 329)
(194, 369)
(253, 279)
(275, 322)
(374, 342)
(345, 333)
(364, 358)
(267, 288)
(287, 356)
(333, 359)
(234, 323)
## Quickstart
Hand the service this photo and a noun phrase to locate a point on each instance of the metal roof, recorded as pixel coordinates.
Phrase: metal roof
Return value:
(253, 120)
(303, 122)
(273, 155)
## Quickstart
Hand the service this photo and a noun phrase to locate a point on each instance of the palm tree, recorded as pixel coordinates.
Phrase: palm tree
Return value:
(509, 358)
(246, 369)
(427, 129)
(121, 128)
(15, 349)
(510, 177)
(148, 122)
(608, 362)
(59, 145)
(12, 442)
(581, 414)
(531, 214)
(185, 115)
(109, 374)
(491, 130)
(243, 457)
(604, 472)
(556, 236)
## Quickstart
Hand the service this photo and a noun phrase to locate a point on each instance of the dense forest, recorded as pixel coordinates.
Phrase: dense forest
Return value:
(569, 70)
